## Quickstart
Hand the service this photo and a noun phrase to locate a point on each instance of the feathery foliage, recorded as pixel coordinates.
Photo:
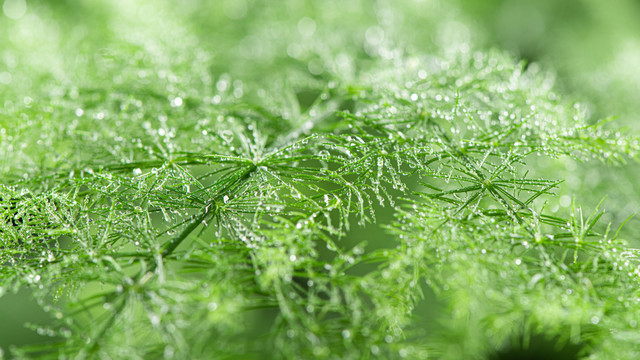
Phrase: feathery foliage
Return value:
(181, 185)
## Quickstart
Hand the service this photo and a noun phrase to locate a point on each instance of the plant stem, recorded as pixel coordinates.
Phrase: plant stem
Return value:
(172, 244)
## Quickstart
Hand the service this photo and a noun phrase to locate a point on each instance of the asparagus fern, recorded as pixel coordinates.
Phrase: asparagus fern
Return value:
(165, 197)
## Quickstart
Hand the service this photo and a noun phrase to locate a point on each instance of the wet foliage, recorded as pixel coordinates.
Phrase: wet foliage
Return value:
(185, 181)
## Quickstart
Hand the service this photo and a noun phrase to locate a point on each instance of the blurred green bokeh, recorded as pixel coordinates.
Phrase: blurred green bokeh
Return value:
(594, 46)
(16, 311)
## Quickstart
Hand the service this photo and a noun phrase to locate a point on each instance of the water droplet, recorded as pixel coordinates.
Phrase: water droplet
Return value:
(388, 339)
(306, 27)
(374, 35)
(5, 78)
(375, 350)
(324, 154)
(176, 102)
(226, 135)
(14, 9)
(169, 352)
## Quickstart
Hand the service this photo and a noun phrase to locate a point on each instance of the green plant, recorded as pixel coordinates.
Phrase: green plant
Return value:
(179, 192)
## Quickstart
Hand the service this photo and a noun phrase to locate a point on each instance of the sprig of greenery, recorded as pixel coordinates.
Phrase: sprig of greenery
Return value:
(170, 205)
